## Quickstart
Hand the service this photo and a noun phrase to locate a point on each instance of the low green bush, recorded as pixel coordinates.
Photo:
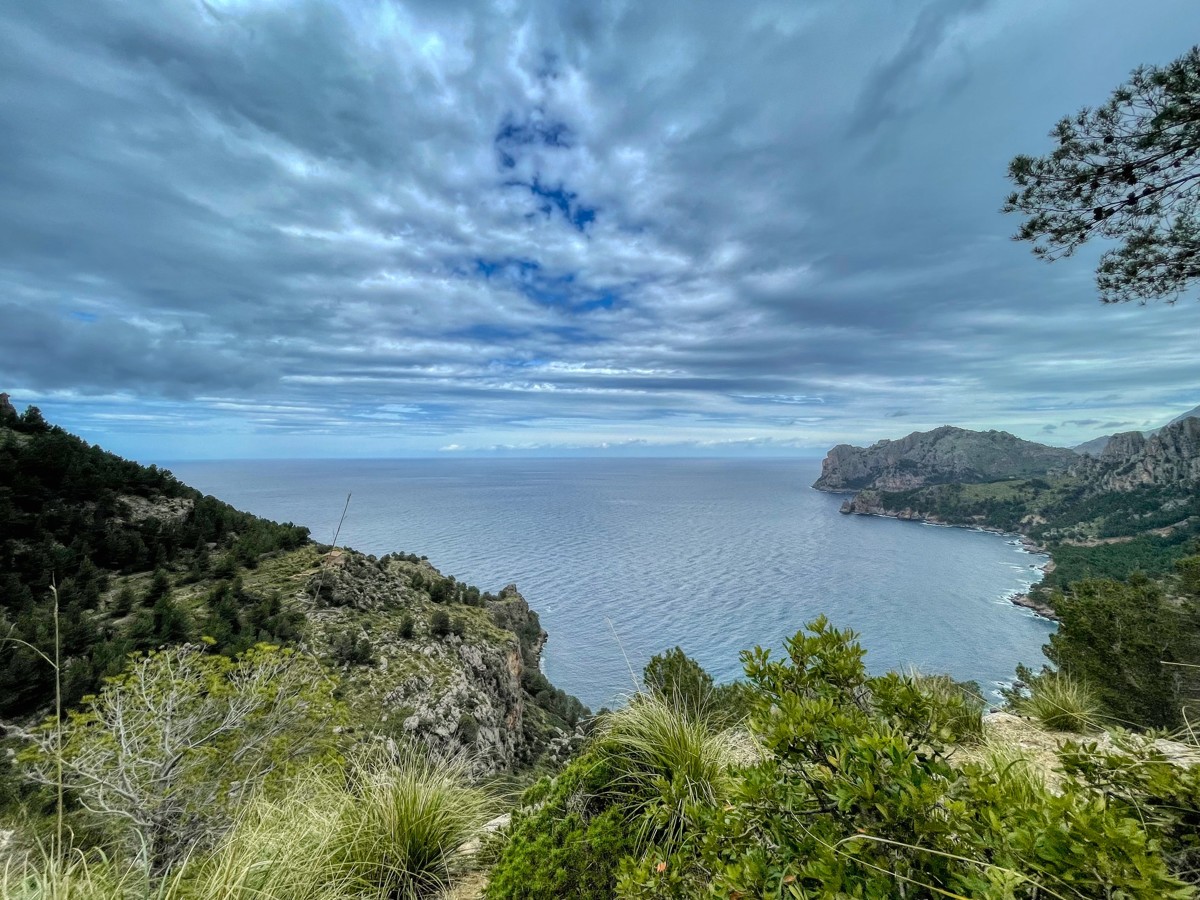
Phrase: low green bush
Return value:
(566, 840)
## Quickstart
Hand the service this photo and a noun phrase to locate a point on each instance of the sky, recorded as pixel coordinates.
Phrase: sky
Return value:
(257, 228)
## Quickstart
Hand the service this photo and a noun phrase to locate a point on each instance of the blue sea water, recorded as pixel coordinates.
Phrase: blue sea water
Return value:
(624, 558)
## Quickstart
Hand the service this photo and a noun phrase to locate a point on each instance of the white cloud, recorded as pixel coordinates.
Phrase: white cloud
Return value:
(371, 222)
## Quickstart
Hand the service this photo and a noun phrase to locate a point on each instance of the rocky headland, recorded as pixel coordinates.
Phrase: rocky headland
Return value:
(1138, 490)
(946, 455)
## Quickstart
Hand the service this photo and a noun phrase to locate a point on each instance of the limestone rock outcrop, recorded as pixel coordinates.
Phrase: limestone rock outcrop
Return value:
(945, 455)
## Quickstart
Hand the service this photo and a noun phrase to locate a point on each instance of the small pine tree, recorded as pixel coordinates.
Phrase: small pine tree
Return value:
(124, 601)
(160, 587)
(172, 624)
(439, 625)
(407, 627)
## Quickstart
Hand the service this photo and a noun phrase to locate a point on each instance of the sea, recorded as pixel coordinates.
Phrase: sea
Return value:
(625, 558)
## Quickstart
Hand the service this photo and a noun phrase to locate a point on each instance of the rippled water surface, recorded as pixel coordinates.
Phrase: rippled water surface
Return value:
(623, 558)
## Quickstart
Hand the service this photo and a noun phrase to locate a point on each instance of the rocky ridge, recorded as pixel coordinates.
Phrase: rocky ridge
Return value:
(1131, 460)
(1096, 446)
(1169, 459)
(466, 691)
(943, 456)
(1143, 491)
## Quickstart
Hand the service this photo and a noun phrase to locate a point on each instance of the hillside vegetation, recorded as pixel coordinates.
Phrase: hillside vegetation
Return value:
(134, 561)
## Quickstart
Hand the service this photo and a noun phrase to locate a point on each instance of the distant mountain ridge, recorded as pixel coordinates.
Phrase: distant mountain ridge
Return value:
(1096, 446)
(946, 455)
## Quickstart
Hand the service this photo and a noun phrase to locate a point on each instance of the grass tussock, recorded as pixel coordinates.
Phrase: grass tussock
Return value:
(401, 827)
(1061, 703)
(664, 757)
(279, 848)
(77, 876)
(384, 829)
(1020, 775)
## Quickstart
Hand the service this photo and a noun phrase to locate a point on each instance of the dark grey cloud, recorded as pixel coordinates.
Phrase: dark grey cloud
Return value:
(894, 86)
(246, 227)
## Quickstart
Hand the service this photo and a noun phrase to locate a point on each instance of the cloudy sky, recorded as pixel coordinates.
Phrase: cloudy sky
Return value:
(243, 228)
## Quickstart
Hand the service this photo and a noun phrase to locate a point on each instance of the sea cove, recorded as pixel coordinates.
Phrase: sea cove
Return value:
(623, 558)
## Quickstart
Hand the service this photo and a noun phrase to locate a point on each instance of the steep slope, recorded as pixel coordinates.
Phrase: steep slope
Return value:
(943, 456)
(1170, 456)
(1190, 414)
(140, 560)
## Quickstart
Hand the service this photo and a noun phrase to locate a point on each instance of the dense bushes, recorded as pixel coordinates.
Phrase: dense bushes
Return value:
(1135, 644)
(1154, 555)
(563, 706)
(847, 789)
(856, 797)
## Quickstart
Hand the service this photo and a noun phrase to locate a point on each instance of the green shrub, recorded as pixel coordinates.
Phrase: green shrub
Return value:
(567, 839)
(439, 623)
(1135, 775)
(683, 681)
(1061, 703)
(1127, 642)
(468, 728)
(407, 627)
(353, 649)
(952, 708)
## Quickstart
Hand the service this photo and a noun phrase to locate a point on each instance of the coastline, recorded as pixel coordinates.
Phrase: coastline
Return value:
(1025, 600)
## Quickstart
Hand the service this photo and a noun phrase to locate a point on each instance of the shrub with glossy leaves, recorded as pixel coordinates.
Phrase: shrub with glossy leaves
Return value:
(855, 797)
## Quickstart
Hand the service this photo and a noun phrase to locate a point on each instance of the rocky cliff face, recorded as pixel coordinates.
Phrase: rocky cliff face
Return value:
(459, 692)
(1130, 461)
(871, 503)
(1095, 447)
(1122, 446)
(943, 456)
